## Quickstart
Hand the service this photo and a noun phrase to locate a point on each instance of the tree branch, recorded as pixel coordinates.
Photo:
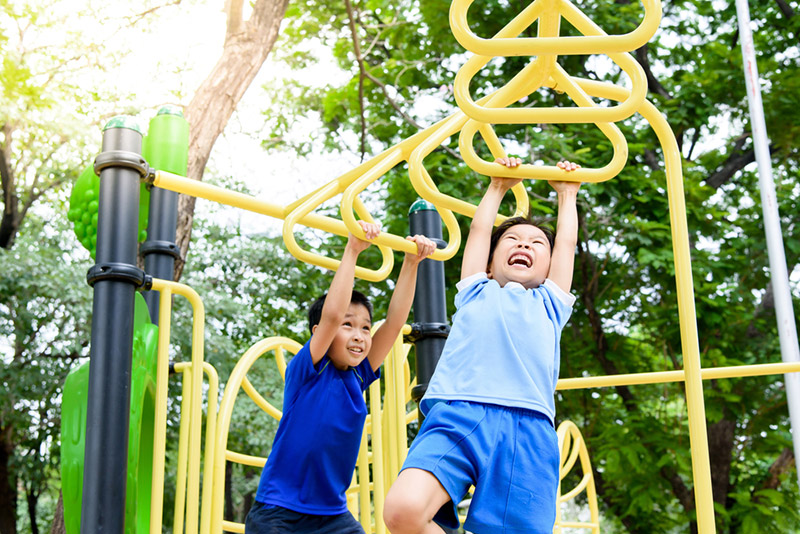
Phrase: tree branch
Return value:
(652, 82)
(361, 74)
(783, 463)
(737, 160)
(785, 8)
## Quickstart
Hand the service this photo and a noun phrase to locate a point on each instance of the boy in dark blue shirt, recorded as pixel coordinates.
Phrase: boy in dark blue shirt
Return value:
(303, 484)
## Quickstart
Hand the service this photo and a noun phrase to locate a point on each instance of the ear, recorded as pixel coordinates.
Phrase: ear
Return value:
(489, 272)
(314, 329)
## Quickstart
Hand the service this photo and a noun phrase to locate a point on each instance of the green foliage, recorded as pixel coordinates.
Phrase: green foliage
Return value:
(44, 318)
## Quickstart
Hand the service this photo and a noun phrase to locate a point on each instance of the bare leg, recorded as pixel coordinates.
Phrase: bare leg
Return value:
(413, 500)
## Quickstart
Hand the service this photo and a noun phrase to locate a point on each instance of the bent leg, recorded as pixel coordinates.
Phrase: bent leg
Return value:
(412, 501)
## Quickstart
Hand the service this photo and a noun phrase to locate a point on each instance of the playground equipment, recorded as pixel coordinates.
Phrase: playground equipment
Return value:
(122, 167)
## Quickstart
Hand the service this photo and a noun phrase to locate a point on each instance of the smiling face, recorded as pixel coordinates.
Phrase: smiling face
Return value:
(522, 255)
(353, 338)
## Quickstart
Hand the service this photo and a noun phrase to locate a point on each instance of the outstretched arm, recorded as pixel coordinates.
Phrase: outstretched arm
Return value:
(340, 293)
(476, 250)
(562, 262)
(400, 305)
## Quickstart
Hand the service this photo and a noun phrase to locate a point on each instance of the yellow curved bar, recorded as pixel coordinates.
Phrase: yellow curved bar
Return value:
(573, 447)
(224, 417)
(260, 401)
(191, 426)
(516, 89)
(321, 195)
(423, 183)
(548, 172)
(701, 465)
(534, 46)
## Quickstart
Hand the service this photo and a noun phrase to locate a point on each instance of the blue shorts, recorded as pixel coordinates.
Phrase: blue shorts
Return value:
(270, 519)
(510, 455)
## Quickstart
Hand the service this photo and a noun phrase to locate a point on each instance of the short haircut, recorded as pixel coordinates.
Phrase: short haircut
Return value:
(514, 221)
(315, 311)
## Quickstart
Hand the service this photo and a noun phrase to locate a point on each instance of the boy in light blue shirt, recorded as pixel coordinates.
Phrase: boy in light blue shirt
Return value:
(490, 404)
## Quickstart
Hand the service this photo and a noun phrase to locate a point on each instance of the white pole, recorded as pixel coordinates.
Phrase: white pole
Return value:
(772, 226)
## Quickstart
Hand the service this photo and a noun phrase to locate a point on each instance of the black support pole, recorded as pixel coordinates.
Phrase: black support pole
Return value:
(160, 250)
(166, 148)
(430, 327)
(115, 278)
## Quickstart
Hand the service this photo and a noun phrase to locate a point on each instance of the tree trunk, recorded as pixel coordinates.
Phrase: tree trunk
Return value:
(244, 52)
(33, 499)
(8, 486)
(721, 436)
(58, 517)
(9, 222)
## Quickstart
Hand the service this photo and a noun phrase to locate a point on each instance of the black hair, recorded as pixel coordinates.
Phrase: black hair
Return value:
(514, 221)
(315, 311)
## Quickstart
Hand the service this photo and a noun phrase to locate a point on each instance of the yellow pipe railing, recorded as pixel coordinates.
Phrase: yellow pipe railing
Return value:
(188, 483)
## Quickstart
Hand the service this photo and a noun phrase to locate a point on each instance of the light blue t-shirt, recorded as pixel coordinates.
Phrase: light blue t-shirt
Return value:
(316, 445)
(503, 347)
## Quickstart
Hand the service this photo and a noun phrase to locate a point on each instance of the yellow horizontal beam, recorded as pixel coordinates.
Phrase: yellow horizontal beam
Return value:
(714, 373)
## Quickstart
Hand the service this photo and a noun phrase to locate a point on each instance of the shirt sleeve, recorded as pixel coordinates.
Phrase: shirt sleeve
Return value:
(365, 374)
(562, 302)
(299, 371)
(469, 288)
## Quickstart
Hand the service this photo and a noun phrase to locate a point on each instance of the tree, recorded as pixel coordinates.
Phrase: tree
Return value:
(44, 308)
(625, 320)
(247, 44)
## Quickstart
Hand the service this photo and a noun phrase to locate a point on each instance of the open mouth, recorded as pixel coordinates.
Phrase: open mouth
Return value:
(356, 350)
(520, 259)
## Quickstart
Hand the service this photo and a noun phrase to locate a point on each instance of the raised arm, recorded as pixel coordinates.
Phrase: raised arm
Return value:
(400, 305)
(562, 262)
(340, 293)
(476, 250)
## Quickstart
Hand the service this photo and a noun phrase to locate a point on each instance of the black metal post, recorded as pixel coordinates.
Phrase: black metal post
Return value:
(430, 327)
(115, 278)
(166, 149)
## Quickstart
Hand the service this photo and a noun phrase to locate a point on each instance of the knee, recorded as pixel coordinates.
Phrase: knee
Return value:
(403, 513)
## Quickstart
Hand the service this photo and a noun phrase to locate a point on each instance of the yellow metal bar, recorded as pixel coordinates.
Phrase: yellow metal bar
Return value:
(208, 459)
(230, 526)
(363, 483)
(709, 373)
(224, 417)
(183, 448)
(160, 417)
(539, 70)
(245, 459)
(260, 401)
(531, 46)
(378, 493)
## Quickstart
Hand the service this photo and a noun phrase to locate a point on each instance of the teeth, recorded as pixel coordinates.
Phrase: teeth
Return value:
(520, 258)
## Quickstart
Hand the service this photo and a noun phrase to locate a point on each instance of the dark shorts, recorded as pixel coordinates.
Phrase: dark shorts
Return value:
(269, 519)
(510, 455)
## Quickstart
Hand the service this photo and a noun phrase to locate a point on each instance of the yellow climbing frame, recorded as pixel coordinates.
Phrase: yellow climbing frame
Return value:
(473, 117)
